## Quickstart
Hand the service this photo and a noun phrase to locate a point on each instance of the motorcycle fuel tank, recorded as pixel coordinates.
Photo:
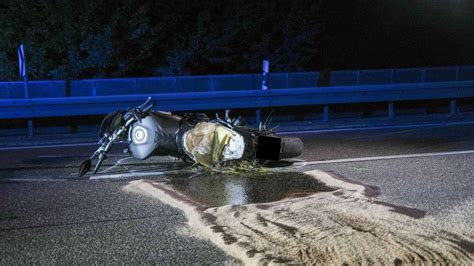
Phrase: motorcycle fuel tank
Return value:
(143, 138)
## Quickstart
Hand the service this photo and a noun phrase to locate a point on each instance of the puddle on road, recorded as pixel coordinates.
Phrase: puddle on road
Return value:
(218, 189)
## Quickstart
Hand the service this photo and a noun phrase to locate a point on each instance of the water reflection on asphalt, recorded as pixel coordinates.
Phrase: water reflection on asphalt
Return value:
(209, 188)
(218, 189)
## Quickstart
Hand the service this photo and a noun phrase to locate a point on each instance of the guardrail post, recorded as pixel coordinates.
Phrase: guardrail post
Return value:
(266, 72)
(453, 109)
(30, 121)
(326, 113)
(391, 110)
(24, 75)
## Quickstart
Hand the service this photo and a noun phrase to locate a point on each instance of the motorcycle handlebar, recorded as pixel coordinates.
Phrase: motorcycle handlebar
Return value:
(106, 142)
(142, 107)
(137, 112)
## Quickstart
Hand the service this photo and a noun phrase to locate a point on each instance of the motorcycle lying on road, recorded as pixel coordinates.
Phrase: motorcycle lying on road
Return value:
(192, 137)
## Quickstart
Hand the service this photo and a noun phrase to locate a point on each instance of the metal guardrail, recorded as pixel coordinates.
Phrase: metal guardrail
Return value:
(127, 86)
(188, 101)
(96, 97)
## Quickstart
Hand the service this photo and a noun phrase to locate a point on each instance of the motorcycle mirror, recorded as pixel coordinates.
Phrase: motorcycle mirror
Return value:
(85, 167)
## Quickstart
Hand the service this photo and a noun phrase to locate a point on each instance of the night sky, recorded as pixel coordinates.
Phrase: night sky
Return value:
(385, 34)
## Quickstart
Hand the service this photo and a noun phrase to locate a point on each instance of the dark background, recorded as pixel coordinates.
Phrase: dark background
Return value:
(384, 34)
(136, 38)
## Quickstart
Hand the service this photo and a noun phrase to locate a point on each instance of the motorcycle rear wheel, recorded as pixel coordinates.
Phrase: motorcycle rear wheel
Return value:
(291, 147)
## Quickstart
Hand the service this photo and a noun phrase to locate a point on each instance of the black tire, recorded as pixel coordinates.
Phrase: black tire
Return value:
(291, 147)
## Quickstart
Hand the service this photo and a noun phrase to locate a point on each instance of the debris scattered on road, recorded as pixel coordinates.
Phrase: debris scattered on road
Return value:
(347, 225)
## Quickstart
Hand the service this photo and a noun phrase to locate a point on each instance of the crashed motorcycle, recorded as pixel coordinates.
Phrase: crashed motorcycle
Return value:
(192, 137)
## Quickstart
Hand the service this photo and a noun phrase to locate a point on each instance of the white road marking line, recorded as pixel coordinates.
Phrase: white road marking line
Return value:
(53, 146)
(372, 128)
(46, 146)
(126, 175)
(117, 164)
(280, 132)
(74, 156)
(299, 163)
(389, 157)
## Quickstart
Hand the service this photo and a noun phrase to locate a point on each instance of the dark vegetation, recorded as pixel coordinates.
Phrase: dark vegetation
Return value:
(120, 38)
(139, 38)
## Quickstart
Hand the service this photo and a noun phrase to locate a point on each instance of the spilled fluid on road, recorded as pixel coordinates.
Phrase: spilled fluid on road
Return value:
(218, 189)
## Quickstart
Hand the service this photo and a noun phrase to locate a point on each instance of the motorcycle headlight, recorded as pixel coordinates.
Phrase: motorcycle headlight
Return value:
(139, 135)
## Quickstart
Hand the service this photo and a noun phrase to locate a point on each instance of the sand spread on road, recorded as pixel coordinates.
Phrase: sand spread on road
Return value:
(347, 225)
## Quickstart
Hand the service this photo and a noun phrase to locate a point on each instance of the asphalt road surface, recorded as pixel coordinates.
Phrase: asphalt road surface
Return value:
(48, 215)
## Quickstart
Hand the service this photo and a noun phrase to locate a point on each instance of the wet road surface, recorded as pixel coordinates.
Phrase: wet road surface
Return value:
(48, 215)
(219, 189)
